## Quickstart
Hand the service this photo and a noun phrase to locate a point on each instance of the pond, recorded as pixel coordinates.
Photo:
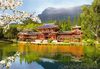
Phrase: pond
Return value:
(30, 56)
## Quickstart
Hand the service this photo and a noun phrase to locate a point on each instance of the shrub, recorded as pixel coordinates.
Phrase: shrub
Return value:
(90, 42)
(50, 40)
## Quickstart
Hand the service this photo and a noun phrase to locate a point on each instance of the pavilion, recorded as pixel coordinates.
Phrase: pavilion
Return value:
(51, 32)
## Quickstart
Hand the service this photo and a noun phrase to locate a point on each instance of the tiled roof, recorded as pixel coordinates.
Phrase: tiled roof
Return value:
(27, 33)
(72, 32)
(66, 32)
(77, 31)
(48, 26)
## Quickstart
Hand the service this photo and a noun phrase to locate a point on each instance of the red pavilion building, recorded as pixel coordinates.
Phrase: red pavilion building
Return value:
(51, 31)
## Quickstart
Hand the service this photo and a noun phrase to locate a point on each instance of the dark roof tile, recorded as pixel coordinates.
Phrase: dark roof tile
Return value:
(48, 26)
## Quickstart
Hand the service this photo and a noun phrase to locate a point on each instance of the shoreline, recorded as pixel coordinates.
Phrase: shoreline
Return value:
(60, 43)
(7, 41)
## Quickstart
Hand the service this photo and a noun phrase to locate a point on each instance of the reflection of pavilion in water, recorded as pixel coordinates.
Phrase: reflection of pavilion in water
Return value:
(51, 31)
(50, 49)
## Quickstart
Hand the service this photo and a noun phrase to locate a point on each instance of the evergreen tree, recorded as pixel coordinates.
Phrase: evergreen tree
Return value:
(79, 21)
(75, 21)
(68, 24)
(64, 25)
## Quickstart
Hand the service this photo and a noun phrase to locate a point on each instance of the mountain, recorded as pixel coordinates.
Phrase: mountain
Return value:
(59, 13)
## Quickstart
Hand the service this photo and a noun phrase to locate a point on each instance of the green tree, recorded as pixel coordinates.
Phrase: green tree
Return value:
(75, 21)
(11, 33)
(95, 13)
(85, 22)
(30, 24)
(68, 24)
(79, 21)
(1, 32)
(90, 20)
(64, 25)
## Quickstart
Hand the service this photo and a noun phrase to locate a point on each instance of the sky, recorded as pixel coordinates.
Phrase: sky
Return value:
(39, 5)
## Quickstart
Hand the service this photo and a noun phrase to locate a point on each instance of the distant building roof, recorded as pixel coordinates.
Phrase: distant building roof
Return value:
(77, 31)
(27, 32)
(66, 32)
(48, 26)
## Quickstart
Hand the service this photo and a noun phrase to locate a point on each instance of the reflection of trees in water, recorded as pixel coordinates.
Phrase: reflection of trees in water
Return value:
(7, 50)
(27, 54)
(1, 54)
(31, 52)
(29, 58)
(60, 52)
(77, 65)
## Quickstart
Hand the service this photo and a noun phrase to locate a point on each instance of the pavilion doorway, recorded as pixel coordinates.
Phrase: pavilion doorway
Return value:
(46, 35)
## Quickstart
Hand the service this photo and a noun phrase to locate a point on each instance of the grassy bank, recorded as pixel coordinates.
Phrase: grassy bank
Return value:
(8, 40)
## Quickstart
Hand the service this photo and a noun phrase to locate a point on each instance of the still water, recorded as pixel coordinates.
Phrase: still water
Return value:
(27, 59)
(30, 56)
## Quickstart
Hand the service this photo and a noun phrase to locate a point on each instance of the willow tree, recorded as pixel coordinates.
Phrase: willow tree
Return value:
(91, 20)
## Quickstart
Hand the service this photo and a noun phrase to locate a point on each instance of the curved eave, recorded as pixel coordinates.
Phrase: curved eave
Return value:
(48, 28)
